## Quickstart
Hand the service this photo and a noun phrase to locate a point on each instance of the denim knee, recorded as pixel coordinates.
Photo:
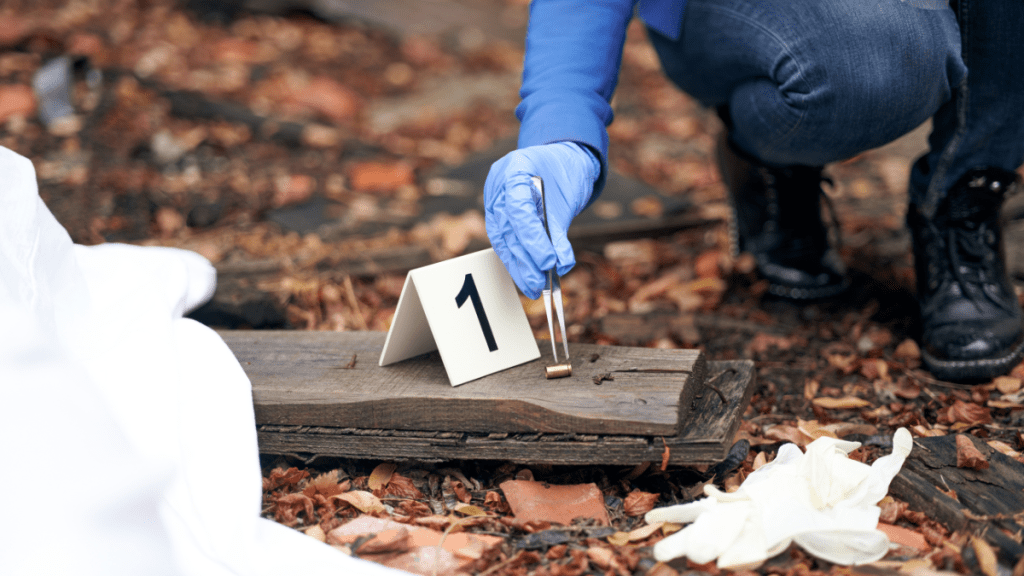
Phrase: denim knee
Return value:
(814, 81)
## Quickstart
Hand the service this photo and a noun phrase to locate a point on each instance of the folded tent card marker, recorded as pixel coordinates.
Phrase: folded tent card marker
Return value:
(467, 308)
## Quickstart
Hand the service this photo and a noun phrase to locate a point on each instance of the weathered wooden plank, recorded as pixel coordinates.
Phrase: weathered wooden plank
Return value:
(704, 438)
(304, 378)
(989, 502)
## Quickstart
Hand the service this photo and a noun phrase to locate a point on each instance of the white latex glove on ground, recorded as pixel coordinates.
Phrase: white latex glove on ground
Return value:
(127, 429)
(821, 500)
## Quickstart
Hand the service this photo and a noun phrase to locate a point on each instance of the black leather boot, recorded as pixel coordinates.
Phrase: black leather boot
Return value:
(777, 218)
(969, 311)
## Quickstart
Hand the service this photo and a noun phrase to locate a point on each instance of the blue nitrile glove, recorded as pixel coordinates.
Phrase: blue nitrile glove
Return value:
(512, 207)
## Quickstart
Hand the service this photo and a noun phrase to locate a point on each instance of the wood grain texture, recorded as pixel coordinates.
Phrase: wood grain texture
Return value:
(704, 438)
(302, 378)
(989, 502)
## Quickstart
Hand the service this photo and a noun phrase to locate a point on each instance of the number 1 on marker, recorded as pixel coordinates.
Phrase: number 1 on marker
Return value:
(469, 291)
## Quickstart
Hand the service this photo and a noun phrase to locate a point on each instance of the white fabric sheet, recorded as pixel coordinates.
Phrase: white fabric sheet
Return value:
(127, 438)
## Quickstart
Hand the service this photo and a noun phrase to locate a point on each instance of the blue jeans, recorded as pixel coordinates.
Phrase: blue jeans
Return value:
(809, 82)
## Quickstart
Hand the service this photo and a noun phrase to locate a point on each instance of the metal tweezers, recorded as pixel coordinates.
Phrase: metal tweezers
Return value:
(553, 294)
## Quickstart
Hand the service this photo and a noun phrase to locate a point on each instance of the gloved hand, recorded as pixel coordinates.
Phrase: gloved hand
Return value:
(512, 208)
(820, 499)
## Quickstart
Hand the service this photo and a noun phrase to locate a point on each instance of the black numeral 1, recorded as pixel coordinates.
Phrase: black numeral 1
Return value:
(469, 291)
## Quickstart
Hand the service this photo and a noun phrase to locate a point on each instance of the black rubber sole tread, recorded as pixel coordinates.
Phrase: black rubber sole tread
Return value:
(982, 369)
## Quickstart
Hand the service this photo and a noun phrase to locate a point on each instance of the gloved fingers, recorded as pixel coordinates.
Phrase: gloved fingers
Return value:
(527, 276)
(749, 549)
(522, 201)
(680, 513)
(887, 467)
(710, 534)
(846, 547)
(672, 546)
(504, 239)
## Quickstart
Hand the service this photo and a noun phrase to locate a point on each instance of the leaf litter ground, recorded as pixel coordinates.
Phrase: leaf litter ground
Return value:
(205, 124)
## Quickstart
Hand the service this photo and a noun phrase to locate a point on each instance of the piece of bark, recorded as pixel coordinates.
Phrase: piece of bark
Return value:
(967, 455)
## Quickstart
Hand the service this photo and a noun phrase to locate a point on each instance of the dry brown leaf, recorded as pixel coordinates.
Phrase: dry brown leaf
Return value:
(380, 476)
(905, 388)
(1007, 384)
(787, 433)
(325, 485)
(413, 509)
(814, 430)
(762, 342)
(460, 492)
(891, 510)
(435, 521)
(874, 369)
(842, 360)
(968, 413)
(279, 477)
(904, 536)
(671, 528)
(708, 264)
(469, 510)
(843, 429)
(1004, 448)
(619, 538)
(638, 503)
(968, 455)
(402, 487)
(16, 100)
(844, 403)
(760, 460)
(921, 430)
(557, 552)
(811, 388)
(494, 501)
(644, 532)
(381, 176)
(288, 506)
(602, 557)
(986, 556)
(363, 501)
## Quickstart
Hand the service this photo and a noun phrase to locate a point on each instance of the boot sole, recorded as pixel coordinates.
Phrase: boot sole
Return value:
(972, 370)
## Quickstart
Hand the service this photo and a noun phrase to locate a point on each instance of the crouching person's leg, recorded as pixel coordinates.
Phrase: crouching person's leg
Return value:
(801, 83)
(971, 319)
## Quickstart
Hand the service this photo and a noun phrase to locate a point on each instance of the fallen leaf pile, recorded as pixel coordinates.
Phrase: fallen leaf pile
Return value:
(203, 133)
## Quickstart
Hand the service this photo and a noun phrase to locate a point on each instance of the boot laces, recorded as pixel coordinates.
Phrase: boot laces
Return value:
(970, 249)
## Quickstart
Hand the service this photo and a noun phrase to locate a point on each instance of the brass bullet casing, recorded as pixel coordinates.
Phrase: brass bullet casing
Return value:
(558, 371)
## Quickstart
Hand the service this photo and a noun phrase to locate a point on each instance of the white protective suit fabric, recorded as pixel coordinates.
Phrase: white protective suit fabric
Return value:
(126, 431)
(821, 500)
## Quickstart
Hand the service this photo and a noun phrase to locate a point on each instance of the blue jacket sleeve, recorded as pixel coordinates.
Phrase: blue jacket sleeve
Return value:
(573, 54)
